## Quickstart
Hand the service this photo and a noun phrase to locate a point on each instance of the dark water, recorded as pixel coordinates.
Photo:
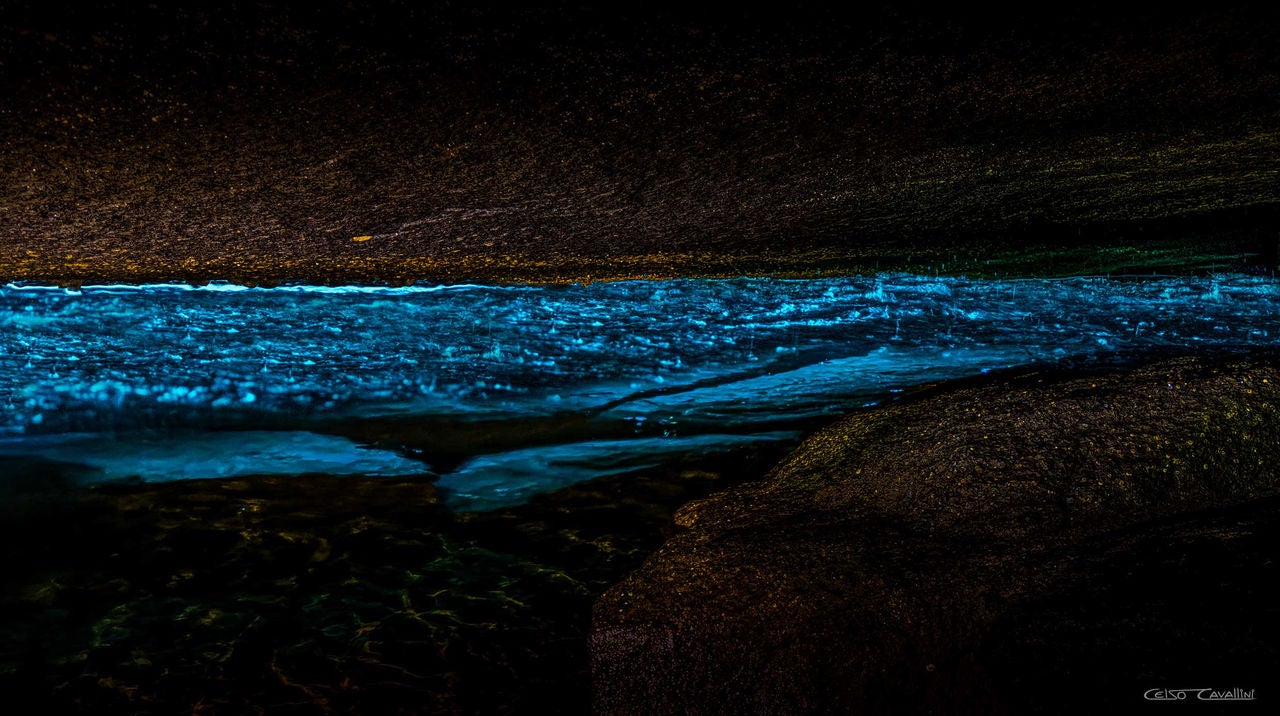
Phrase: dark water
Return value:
(165, 382)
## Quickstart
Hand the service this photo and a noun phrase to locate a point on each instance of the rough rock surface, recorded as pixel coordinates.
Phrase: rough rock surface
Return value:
(394, 141)
(974, 550)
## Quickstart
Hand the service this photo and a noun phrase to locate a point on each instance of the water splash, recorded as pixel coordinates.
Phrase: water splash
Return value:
(670, 359)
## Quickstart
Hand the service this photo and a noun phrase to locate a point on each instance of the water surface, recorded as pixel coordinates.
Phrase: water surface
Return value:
(171, 381)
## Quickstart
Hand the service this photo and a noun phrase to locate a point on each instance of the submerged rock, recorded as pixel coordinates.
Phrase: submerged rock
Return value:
(1092, 537)
(315, 594)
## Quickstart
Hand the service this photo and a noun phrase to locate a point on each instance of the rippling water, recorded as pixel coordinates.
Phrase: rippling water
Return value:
(92, 376)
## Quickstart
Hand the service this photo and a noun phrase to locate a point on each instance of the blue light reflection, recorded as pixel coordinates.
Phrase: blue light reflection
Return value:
(670, 359)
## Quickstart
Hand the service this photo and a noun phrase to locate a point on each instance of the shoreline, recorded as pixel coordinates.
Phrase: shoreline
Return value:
(1242, 239)
(506, 271)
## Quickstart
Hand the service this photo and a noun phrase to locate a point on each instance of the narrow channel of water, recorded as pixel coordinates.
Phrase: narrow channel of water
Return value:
(170, 382)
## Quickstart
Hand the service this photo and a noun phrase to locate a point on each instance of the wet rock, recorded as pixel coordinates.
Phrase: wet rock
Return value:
(918, 556)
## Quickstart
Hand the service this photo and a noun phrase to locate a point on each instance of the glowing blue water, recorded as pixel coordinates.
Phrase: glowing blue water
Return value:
(679, 358)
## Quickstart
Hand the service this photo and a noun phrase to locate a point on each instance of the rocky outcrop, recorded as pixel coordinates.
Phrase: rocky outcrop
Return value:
(392, 141)
(973, 550)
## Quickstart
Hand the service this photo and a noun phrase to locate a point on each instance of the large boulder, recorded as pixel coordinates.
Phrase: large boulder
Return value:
(395, 141)
(974, 549)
